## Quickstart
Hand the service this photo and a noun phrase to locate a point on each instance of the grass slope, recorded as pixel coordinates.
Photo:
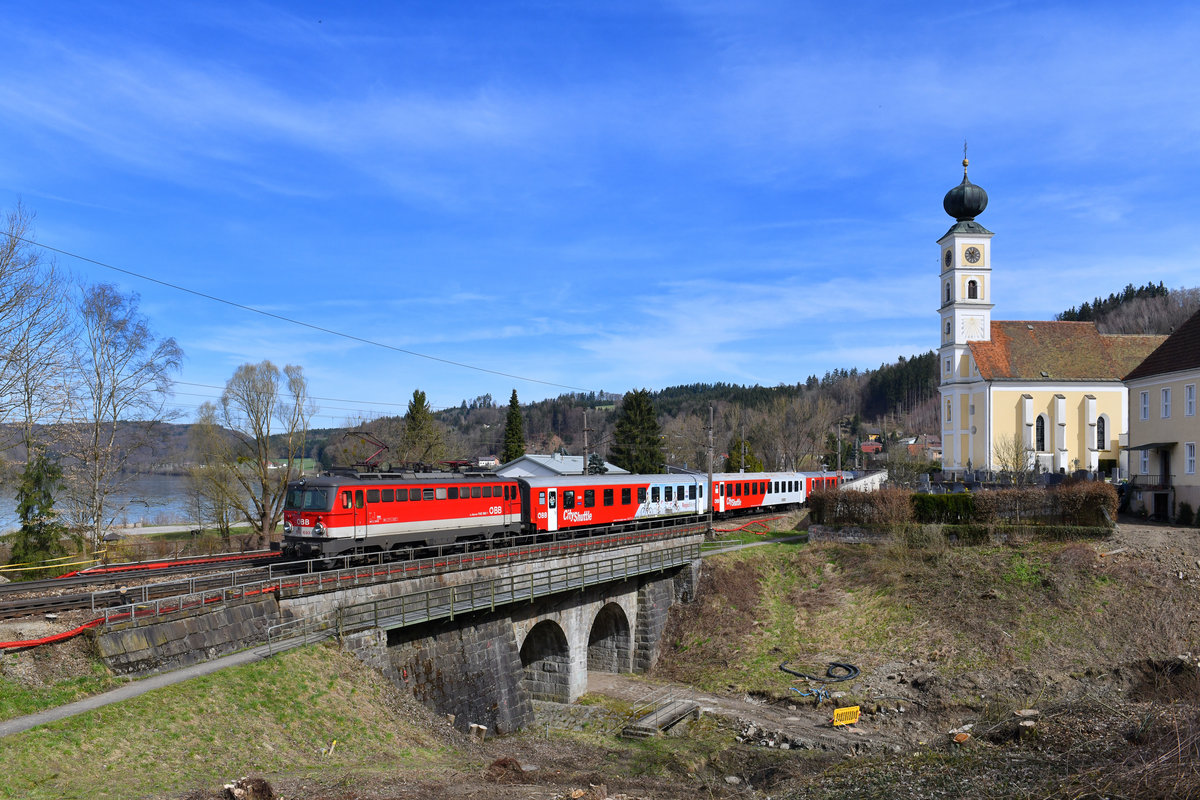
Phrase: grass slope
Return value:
(278, 716)
(1044, 606)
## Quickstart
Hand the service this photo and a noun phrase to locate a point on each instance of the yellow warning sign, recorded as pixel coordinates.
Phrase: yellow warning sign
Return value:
(845, 716)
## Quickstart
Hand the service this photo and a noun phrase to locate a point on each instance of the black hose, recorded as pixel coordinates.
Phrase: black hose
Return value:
(836, 672)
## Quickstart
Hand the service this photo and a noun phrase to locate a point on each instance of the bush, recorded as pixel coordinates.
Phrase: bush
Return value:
(1086, 502)
(1185, 516)
(929, 509)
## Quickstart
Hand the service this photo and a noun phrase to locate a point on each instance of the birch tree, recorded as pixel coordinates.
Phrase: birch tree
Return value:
(251, 441)
(124, 384)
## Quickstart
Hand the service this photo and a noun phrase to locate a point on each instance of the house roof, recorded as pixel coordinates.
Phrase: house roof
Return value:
(1180, 351)
(1058, 351)
(554, 464)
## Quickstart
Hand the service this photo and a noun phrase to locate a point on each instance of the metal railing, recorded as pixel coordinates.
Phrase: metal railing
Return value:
(446, 602)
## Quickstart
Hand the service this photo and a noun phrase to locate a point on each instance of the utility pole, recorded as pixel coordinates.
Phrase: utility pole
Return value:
(586, 429)
(711, 500)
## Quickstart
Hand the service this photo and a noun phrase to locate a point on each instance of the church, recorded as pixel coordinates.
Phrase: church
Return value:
(1011, 392)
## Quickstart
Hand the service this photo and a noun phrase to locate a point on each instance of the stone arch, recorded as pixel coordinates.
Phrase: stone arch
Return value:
(546, 661)
(610, 645)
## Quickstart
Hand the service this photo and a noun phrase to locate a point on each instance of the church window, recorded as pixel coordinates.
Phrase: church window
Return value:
(947, 291)
(972, 290)
(947, 367)
(1040, 434)
(1101, 433)
(1166, 403)
(947, 327)
(948, 409)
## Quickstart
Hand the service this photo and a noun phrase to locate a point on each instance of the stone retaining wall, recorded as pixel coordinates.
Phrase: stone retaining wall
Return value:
(179, 641)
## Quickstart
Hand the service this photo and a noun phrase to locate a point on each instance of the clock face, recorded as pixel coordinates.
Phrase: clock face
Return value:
(972, 255)
(946, 258)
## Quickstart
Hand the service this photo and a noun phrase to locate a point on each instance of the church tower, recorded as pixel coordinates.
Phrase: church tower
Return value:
(965, 309)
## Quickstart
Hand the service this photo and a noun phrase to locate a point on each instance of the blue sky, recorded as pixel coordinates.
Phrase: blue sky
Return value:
(602, 196)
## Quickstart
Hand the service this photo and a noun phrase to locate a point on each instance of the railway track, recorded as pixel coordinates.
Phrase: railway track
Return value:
(120, 589)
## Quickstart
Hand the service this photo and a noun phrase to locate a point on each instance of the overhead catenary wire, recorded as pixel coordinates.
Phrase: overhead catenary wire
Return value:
(290, 321)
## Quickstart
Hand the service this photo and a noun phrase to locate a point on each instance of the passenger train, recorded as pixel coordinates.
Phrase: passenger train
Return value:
(346, 512)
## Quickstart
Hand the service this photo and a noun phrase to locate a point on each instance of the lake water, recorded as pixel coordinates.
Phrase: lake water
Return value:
(149, 499)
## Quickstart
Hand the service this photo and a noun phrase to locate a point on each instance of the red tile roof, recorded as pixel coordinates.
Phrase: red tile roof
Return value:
(1180, 351)
(1059, 351)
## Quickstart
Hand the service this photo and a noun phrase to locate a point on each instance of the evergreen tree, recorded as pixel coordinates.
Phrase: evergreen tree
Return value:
(638, 446)
(514, 431)
(423, 441)
(595, 465)
(733, 461)
(41, 536)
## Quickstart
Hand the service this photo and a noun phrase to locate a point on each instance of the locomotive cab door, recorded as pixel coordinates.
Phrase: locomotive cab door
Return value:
(360, 516)
(552, 509)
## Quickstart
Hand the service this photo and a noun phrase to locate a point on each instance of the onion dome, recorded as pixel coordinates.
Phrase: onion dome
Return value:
(965, 201)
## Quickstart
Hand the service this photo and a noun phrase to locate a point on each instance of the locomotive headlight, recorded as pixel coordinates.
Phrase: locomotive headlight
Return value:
(287, 528)
(319, 529)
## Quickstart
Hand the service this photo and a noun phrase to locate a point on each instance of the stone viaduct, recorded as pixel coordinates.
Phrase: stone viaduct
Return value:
(480, 644)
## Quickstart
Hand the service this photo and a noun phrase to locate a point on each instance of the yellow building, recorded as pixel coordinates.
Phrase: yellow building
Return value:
(1164, 427)
(1049, 392)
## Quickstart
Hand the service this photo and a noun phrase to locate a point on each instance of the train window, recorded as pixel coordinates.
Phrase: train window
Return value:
(679, 492)
(427, 494)
(388, 495)
(414, 494)
(541, 498)
(692, 492)
(654, 494)
(372, 495)
(737, 489)
(568, 499)
(487, 491)
(720, 490)
(476, 491)
(608, 497)
(626, 497)
(452, 493)
(589, 498)
(702, 491)
(440, 493)
(641, 495)
(345, 499)
(667, 493)
(401, 495)
(358, 498)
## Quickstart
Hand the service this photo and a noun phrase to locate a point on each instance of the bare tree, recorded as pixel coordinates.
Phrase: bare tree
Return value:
(1013, 456)
(124, 378)
(267, 412)
(36, 333)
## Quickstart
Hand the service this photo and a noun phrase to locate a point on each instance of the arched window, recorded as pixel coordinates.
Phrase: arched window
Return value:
(972, 290)
(1039, 435)
(1101, 433)
(947, 327)
(947, 291)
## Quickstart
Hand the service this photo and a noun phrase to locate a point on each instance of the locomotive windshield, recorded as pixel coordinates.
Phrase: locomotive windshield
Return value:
(308, 499)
